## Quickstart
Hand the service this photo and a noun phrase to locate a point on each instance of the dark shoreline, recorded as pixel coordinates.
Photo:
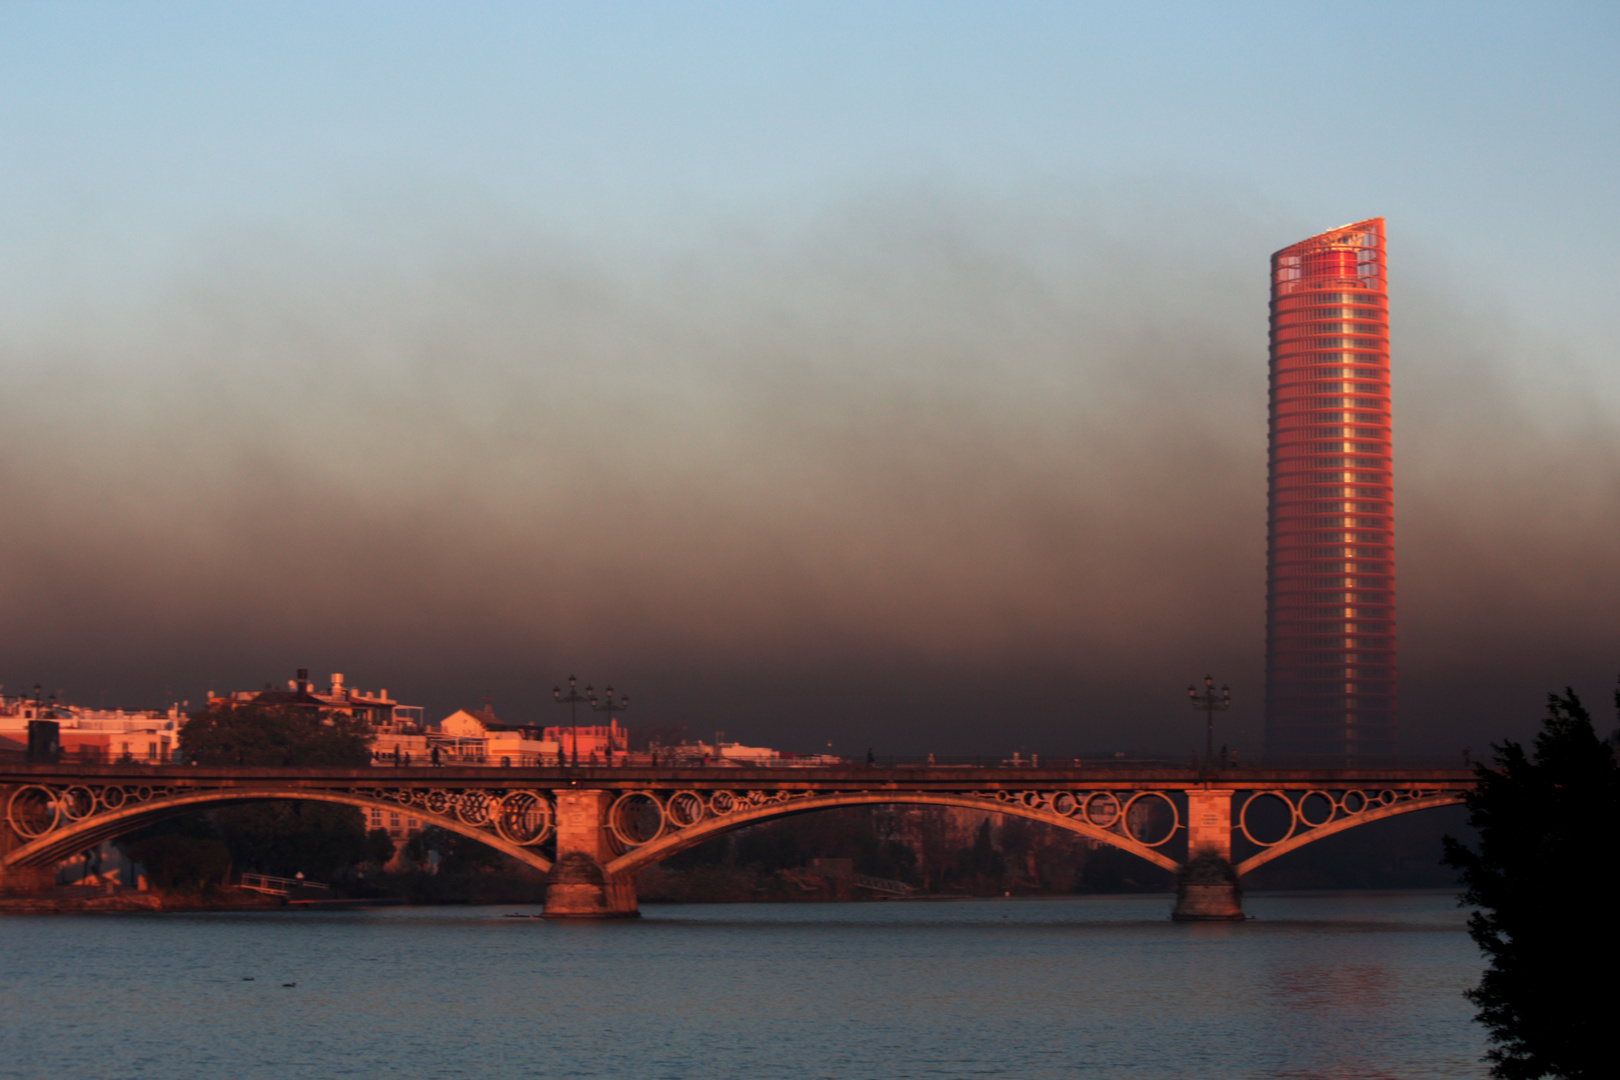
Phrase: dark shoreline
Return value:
(131, 902)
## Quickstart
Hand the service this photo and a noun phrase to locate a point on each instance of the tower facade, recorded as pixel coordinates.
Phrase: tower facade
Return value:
(1330, 538)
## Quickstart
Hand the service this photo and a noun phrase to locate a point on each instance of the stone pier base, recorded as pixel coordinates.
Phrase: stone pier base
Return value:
(27, 879)
(1207, 891)
(579, 890)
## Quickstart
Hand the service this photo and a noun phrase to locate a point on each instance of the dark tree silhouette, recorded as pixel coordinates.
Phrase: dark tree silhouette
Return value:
(181, 855)
(274, 735)
(316, 839)
(1541, 880)
(458, 854)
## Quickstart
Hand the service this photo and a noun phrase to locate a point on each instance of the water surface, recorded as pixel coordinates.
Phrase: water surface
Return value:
(1345, 985)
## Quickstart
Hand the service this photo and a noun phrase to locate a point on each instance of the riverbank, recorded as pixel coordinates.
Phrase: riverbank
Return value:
(71, 900)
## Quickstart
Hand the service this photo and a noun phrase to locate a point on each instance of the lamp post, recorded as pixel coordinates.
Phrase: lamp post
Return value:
(572, 699)
(1209, 700)
(609, 706)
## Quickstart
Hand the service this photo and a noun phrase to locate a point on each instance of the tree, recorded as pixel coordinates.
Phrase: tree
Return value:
(316, 839)
(183, 855)
(458, 854)
(284, 838)
(1540, 882)
(983, 862)
(379, 848)
(274, 735)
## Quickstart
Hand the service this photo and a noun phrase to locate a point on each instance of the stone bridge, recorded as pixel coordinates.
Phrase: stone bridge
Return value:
(593, 829)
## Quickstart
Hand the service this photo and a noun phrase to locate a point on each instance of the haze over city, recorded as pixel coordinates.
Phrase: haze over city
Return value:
(896, 379)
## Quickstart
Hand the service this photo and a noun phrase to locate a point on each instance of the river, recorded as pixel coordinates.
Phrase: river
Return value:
(1361, 985)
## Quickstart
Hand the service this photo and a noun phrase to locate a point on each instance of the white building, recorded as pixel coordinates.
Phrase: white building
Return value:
(95, 736)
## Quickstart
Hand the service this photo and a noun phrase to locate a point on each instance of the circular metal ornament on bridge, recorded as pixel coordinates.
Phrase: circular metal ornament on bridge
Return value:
(722, 803)
(1360, 799)
(636, 818)
(524, 818)
(1243, 817)
(1064, 804)
(1101, 809)
(113, 797)
(1130, 831)
(33, 811)
(1032, 800)
(685, 809)
(1387, 797)
(1306, 799)
(473, 807)
(437, 802)
(77, 803)
(143, 794)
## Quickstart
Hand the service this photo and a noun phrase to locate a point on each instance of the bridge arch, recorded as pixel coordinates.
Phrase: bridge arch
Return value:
(644, 855)
(1338, 825)
(63, 843)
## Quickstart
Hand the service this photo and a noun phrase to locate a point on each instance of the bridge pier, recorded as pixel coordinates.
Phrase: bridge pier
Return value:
(1207, 885)
(580, 888)
(27, 879)
(19, 879)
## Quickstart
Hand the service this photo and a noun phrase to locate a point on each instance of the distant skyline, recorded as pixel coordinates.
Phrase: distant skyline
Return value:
(891, 375)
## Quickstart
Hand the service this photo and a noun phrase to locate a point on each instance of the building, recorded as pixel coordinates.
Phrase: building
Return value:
(94, 736)
(477, 738)
(1330, 557)
(380, 711)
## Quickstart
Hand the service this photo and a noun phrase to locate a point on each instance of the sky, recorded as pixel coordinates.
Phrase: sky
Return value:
(874, 375)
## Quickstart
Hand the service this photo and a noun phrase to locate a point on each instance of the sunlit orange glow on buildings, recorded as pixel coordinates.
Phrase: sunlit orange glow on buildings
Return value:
(1330, 559)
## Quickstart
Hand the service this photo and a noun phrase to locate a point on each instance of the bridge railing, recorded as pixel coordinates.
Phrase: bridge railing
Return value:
(1019, 761)
(278, 886)
(1433, 761)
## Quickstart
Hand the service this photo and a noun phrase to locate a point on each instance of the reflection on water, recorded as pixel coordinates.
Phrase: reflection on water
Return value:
(1352, 985)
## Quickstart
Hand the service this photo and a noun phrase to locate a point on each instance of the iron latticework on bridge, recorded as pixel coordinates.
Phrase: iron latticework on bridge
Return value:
(593, 830)
(1330, 559)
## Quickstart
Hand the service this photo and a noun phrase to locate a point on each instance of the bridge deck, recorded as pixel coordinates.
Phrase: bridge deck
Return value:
(907, 778)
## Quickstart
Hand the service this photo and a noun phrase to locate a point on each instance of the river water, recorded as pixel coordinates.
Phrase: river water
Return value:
(1343, 985)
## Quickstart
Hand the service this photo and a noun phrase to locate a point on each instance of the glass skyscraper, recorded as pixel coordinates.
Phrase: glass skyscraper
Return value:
(1330, 555)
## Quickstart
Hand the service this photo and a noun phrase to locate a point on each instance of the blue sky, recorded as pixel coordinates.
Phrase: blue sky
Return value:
(1488, 133)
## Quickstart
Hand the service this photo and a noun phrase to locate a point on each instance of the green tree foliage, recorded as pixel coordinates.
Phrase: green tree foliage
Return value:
(1540, 879)
(274, 735)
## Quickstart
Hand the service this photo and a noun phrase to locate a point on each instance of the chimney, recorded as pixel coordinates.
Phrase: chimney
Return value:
(303, 679)
(337, 684)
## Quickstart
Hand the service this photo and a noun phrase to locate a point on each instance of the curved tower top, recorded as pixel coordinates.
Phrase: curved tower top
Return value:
(1330, 559)
(1352, 255)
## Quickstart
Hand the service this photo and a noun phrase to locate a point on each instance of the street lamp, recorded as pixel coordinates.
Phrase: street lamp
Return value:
(609, 706)
(1210, 700)
(572, 699)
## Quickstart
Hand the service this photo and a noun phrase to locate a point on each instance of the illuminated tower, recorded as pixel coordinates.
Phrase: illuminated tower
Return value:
(1330, 555)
